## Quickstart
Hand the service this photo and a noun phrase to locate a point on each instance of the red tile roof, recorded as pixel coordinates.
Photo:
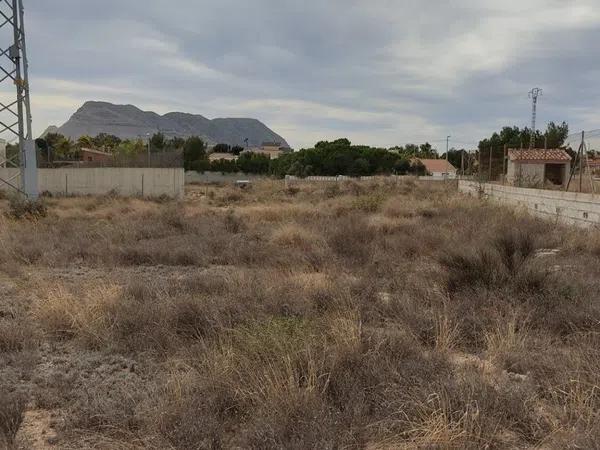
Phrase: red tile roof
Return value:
(550, 155)
(438, 166)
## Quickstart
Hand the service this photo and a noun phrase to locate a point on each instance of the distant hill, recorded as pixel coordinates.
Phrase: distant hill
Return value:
(128, 121)
(50, 129)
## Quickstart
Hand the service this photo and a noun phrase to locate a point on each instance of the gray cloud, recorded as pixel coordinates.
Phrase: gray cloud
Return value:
(380, 72)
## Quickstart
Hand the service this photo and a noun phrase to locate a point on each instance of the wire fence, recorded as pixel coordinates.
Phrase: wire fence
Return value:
(94, 159)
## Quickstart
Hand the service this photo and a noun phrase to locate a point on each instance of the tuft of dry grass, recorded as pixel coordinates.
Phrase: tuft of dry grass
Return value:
(296, 238)
(15, 335)
(12, 408)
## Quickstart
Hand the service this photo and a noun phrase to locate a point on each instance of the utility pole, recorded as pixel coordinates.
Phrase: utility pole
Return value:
(574, 167)
(148, 162)
(504, 165)
(15, 72)
(479, 167)
(490, 166)
(533, 95)
(582, 151)
(447, 146)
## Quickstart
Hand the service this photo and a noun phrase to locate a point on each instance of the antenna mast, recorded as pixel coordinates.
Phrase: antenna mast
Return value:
(533, 95)
(15, 107)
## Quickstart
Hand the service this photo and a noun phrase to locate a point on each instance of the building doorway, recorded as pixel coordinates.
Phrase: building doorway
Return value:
(555, 173)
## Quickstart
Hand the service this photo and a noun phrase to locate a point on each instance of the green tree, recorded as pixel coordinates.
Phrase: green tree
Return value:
(221, 148)
(411, 150)
(456, 157)
(427, 151)
(60, 146)
(254, 163)
(223, 166)
(106, 141)
(556, 135)
(85, 142)
(158, 142)
(194, 150)
(129, 148)
(176, 143)
(42, 145)
(515, 137)
(402, 166)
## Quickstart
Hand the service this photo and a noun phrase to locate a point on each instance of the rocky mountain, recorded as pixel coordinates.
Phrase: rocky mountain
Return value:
(49, 130)
(128, 121)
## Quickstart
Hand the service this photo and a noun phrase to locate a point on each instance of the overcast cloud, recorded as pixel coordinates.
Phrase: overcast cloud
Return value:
(380, 72)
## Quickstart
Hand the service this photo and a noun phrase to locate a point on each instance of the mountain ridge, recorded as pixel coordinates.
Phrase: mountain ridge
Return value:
(129, 121)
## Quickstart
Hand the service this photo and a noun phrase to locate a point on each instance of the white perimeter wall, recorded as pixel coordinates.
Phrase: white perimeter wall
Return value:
(147, 182)
(218, 177)
(569, 207)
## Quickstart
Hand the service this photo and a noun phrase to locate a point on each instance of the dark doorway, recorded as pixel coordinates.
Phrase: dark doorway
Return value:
(555, 173)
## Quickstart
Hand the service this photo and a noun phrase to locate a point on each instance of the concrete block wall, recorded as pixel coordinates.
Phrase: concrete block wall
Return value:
(568, 207)
(218, 177)
(146, 182)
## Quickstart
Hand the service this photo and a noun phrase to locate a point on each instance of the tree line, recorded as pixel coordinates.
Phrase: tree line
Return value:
(514, 137)
(55, 146)
(328, 158)
(338, 157)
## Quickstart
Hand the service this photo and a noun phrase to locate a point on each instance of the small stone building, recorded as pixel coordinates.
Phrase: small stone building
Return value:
(537, 167)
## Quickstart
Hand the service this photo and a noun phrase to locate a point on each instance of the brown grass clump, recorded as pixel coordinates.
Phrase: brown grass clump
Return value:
(296, 238)
(387, 313)
(12, 408)
(507, 258)
(15, 335)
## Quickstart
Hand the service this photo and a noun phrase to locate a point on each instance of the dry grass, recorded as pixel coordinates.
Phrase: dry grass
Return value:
(12, 407)
(356, 315)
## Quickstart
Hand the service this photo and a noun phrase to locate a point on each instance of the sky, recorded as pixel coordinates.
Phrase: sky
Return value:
(380, 72)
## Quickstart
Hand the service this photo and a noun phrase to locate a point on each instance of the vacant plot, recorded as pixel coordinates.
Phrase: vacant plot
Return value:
(375, 316)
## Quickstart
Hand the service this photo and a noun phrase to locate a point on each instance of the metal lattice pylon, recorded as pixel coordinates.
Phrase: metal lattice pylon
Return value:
(15, 111)
(533, 95)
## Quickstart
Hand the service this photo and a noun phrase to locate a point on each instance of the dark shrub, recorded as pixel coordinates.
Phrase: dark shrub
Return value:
(22, 208)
